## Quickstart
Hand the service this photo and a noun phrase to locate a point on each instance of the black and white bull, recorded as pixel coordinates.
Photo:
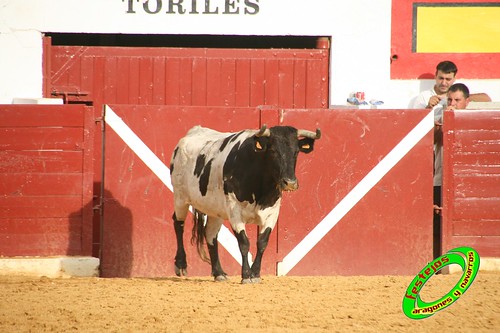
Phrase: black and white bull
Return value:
(237, 177)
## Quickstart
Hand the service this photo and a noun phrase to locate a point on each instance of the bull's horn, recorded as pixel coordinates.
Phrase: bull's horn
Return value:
(264, 131)
(309, 134)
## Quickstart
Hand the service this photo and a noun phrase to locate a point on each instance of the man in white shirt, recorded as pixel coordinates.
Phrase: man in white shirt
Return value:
(446, 72)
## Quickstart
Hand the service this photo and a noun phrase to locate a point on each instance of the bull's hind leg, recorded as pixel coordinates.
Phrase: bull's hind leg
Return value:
(211, 231)
(180, 256)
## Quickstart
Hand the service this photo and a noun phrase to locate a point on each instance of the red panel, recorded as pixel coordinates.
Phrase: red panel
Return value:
(471, 179)
(40, 161)
(477, 228)
(219, 77)
(38, 116)
(41, 138)
(138, 235)
(41, 236)
(46, 179)
(408, 65)
(390, 230)
(139, 238)
(33, 184)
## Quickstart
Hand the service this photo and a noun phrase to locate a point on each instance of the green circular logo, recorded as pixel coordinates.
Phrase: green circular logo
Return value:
(466, 257)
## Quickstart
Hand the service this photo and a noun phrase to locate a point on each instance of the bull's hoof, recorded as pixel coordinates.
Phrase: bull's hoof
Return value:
(256, 280)
(250, 280)
(180, 271)
(221, 278)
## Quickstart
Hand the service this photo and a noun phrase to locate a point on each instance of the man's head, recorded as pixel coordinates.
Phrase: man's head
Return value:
(445, 76)
(458, 96)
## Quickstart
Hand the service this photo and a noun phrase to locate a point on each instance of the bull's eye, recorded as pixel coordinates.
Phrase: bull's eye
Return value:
(306, 146)
(257, 145)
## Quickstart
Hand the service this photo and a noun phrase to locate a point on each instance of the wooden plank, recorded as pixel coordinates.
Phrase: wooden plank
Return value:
(110, 79)
(133, 81)
(41, 138)
(42, 206)
(299, 83)
(286, 88)
(146, 80)
(87, 77)
(40, 115)
(158, 81)
(40, 161)
(214, 89)
(122, 80)
(271, 85)
(476, 208)
(37, 184)
(242, 84)
(200, 82)
(477, 160)
(477, 185)
(172, 75)
(40, 237)
(485, 246)
(257, 79)
(314, 84)
(476, 228)
(185, 82)
(228, 82)
(477, 120)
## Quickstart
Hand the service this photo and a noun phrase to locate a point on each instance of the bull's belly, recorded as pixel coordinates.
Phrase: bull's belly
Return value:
(238, 213)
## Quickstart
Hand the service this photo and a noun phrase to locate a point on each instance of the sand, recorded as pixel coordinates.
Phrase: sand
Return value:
(277, 304)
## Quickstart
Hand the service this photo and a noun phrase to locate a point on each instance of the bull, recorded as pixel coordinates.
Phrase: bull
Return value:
(238, 177)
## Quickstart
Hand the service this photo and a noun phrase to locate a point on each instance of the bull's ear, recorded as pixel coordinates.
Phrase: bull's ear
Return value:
(306, 145)
(260, 144)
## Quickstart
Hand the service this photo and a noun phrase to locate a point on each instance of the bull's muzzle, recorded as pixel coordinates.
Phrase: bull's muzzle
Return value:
(289, 185)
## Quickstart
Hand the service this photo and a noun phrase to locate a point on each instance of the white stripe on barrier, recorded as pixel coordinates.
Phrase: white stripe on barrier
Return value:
(356, 194)
(226, 238)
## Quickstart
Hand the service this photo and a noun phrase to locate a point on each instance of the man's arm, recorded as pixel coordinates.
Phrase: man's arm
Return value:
(480, 97)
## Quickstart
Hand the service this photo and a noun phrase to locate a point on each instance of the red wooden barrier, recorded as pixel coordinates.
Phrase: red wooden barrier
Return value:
(45, 180)
(295, 78)
(471, 177)
(364, 206)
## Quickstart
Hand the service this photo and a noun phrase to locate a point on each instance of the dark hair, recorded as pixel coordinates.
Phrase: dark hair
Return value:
(447, 67)
(460, 87)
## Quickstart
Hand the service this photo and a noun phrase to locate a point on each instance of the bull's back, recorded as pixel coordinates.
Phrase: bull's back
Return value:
(197, 167)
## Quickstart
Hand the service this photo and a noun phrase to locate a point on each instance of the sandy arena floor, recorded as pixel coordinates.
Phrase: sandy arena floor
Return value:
(278, 304)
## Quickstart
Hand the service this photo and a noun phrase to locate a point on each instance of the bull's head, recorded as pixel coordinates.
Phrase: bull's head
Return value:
(281, 146)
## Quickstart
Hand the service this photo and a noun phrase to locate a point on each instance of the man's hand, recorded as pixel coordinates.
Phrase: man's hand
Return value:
(437, 210)
(433, 101)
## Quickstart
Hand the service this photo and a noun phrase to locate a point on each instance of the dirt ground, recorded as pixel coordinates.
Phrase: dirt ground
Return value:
(278, 304)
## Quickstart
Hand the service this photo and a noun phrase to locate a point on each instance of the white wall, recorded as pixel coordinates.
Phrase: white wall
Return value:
(360, 32)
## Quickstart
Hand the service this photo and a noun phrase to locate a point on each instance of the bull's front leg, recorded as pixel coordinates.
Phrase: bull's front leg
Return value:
(244, 245)
(261, 247)
(180, 256)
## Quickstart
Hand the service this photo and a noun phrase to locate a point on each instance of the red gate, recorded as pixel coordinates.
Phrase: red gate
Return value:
(471, 177)
(46, 180)
(364, 206)
(292, 78)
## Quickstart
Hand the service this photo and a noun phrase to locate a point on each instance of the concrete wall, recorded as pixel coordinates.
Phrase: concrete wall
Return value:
(360, 31)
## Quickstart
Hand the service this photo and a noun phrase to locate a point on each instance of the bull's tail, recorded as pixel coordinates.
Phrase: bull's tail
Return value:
(198, 234)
